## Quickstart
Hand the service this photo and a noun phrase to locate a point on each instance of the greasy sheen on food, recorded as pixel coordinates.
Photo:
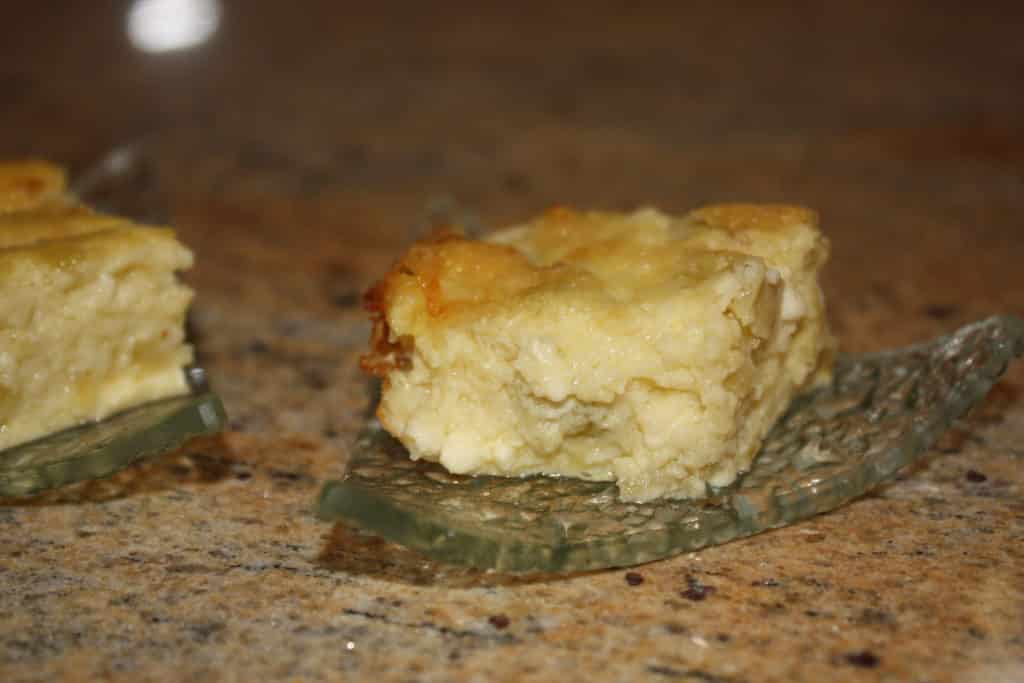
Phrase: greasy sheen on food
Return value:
(640, 348)
(91, 311)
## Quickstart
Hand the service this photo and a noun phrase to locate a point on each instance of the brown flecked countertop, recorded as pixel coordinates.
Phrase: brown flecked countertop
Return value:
(299, 148)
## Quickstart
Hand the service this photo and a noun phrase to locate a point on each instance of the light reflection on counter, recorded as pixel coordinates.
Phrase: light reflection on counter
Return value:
(170, 25)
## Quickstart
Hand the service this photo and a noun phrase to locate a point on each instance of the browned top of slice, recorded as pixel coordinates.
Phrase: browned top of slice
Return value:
(29, 184)
(41, 226)
(565, 256)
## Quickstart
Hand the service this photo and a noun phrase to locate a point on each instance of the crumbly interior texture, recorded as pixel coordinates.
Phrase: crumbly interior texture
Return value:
(91, 311)
(641, 348)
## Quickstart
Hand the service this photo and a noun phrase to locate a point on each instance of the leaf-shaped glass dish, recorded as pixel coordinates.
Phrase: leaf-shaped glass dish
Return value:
(881, 412)
(99, 449)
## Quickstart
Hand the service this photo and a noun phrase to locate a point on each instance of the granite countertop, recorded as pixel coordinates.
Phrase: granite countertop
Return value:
(297, 150)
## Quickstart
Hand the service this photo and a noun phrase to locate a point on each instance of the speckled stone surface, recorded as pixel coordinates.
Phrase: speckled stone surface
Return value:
(299, 149)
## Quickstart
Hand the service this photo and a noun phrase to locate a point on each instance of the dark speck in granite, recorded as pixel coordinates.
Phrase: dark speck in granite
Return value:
(690, 675)
(975, 477)
(863, 659)
(499, 621)
(695, 590)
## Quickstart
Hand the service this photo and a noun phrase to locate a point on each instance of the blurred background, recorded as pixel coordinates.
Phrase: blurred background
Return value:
(331, 130)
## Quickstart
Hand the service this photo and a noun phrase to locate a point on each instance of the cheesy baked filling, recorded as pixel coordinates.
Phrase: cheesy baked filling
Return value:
(91, 311)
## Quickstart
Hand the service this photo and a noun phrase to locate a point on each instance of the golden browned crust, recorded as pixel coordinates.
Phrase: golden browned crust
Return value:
(41, 224)
(449, 273)
(29, 184)
(446, 274)
(760, 217)
(385, 355)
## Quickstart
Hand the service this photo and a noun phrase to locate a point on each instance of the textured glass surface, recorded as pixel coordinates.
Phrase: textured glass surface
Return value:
(881, 412)
(99, 449)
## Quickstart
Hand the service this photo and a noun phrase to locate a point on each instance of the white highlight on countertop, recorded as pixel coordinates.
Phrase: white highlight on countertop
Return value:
(171, 25)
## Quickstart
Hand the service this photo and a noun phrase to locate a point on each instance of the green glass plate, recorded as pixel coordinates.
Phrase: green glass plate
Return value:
(881, 412)
(99, 449)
